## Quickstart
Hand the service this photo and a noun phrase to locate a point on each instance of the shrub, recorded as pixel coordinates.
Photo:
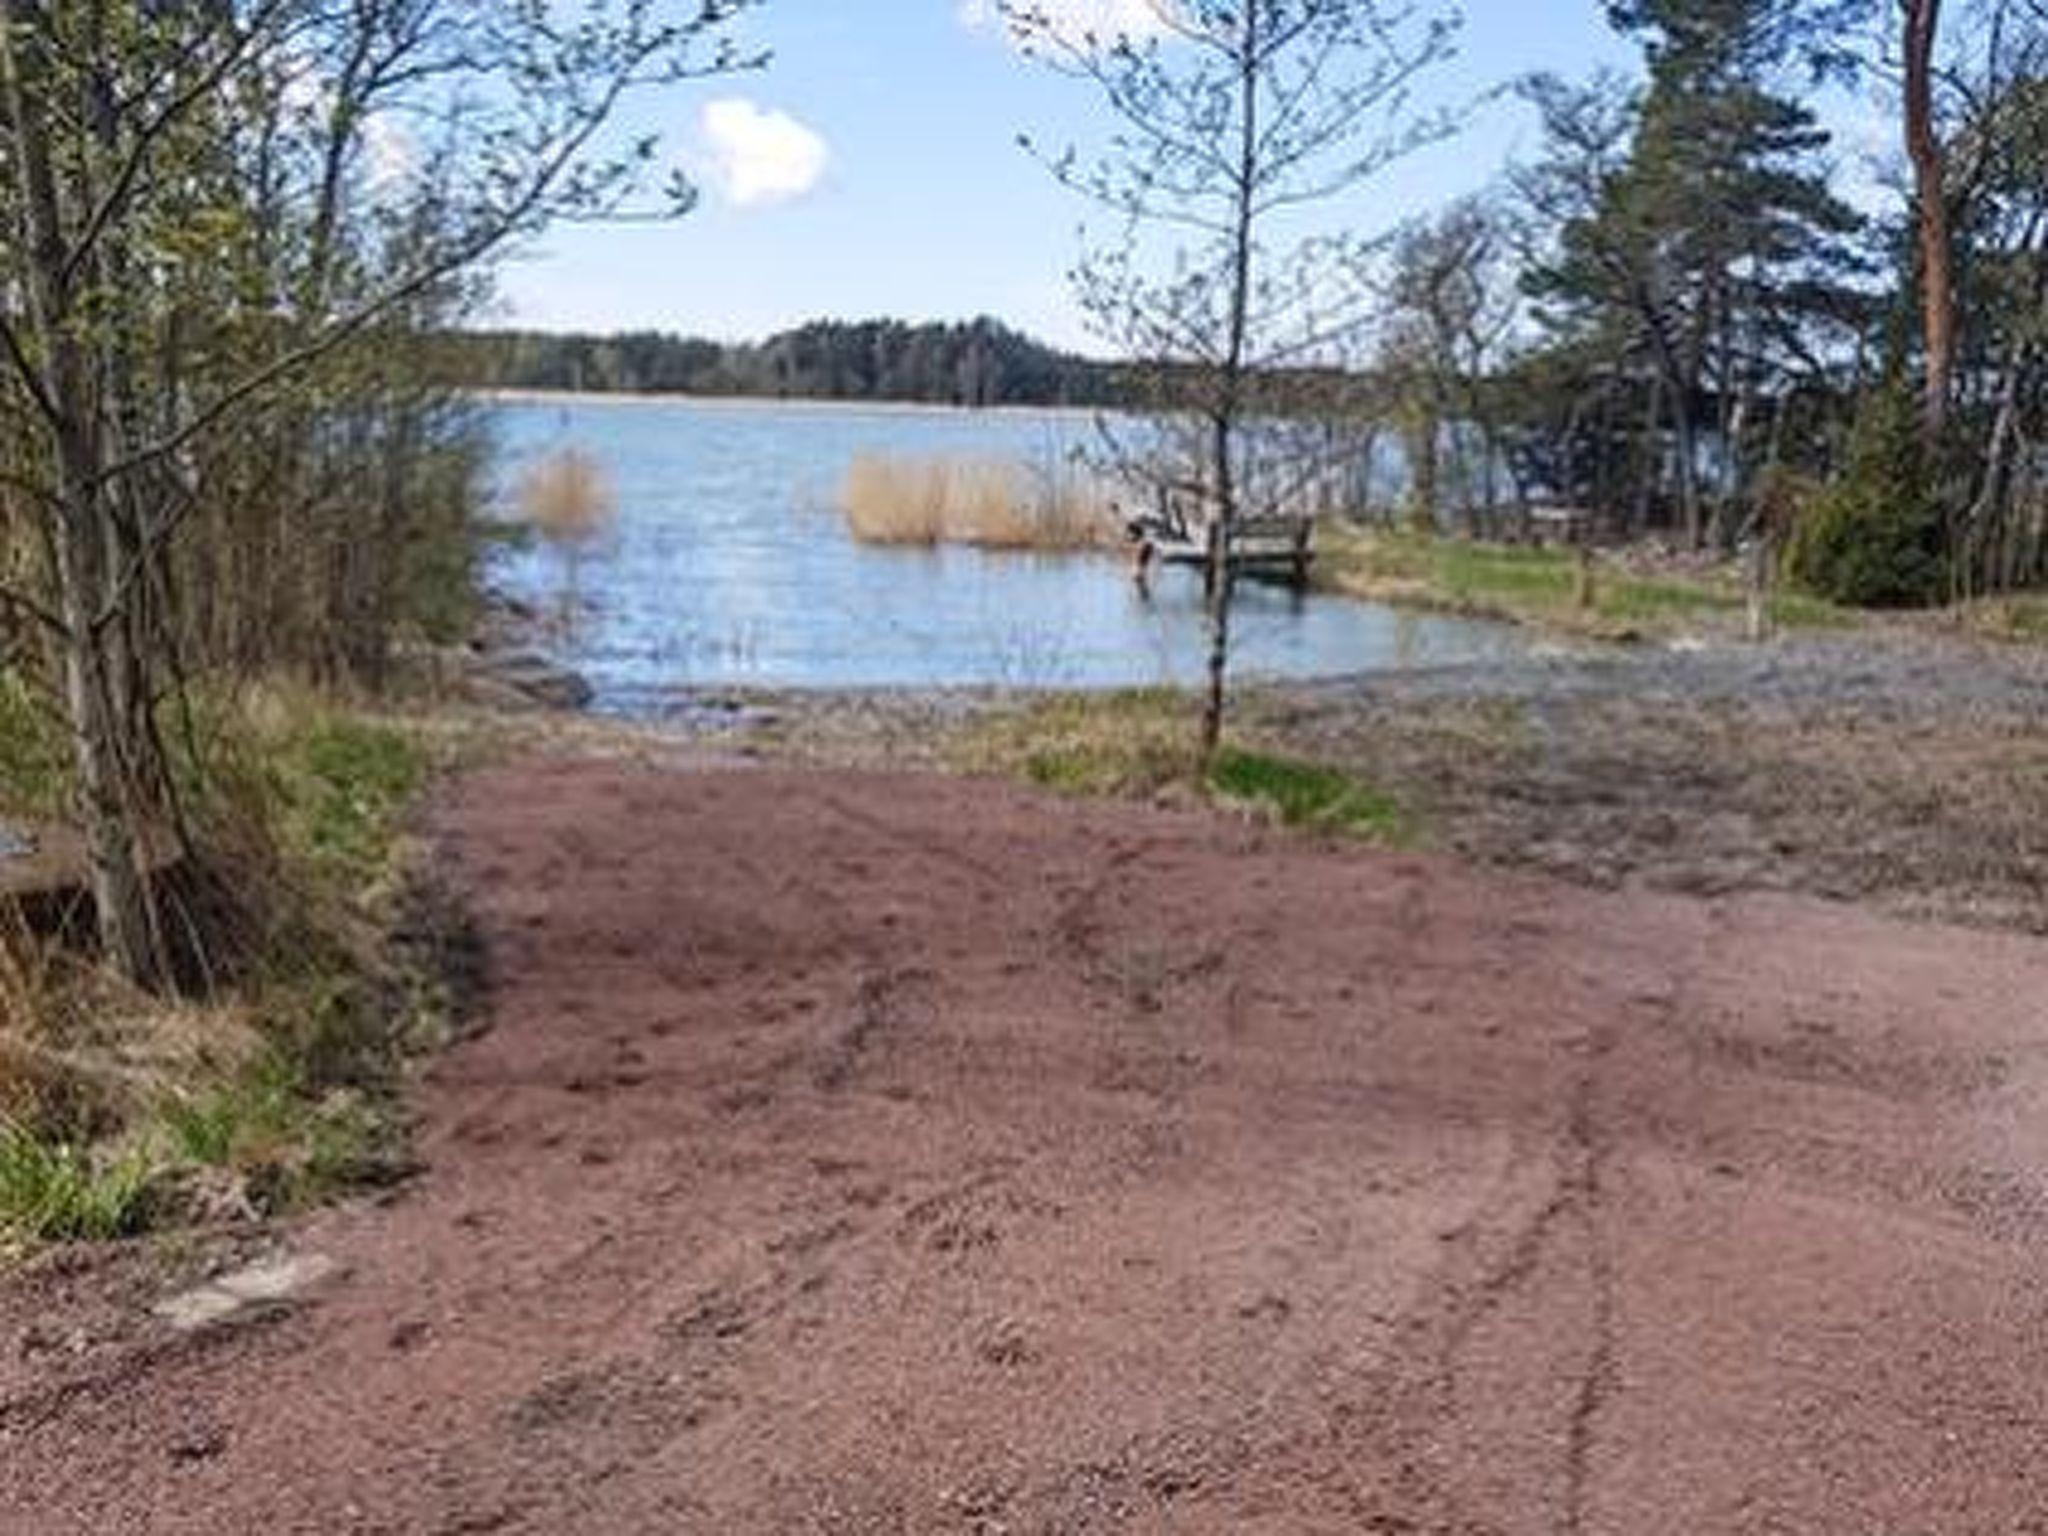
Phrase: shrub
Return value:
(1874, 537)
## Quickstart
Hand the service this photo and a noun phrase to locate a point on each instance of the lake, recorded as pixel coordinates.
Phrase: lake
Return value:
(729, 564)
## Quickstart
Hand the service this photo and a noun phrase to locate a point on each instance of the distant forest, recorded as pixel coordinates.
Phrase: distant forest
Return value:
(981, 362)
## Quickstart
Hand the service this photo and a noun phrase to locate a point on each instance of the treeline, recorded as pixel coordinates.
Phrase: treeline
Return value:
(977, 363)
(1673, 318)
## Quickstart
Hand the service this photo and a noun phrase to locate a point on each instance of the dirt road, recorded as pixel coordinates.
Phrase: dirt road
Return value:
(897, 1154)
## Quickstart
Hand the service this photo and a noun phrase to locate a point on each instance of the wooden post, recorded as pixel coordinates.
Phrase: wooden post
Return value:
(1760, 587)
(1303, 530)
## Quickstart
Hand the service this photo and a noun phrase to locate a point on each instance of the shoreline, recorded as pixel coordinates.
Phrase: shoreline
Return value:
(806, 404)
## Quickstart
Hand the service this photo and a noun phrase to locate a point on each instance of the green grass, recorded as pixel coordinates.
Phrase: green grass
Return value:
(56, 1191)
(1304, 794)
(286, 1082)
(1540, 585)
(1141, 742)
(344, 783)
(286, 1142)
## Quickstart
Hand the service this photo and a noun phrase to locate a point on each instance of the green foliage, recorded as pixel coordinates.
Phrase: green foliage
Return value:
(1141, 741)
(56, 1191)
(1303, 794)
(344, 782)
(290, 1092)
(1874, 538)
(34, 765)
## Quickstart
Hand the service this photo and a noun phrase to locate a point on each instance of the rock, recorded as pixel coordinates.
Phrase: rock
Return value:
(269, 1284)
(529, 676)
(15, 843)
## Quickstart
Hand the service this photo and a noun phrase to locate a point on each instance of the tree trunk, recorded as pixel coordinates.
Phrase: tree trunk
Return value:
(98, 690)
(1223, 438)
(1923, 148)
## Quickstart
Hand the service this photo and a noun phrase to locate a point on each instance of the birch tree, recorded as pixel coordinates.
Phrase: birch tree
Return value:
(1242, 132)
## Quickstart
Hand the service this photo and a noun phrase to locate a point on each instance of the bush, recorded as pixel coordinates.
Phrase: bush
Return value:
(1874, 537)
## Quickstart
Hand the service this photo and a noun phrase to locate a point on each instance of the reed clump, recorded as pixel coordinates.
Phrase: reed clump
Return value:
(568, 499)
(985, 502)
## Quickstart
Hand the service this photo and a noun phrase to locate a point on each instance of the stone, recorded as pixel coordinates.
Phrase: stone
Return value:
(272, 1283)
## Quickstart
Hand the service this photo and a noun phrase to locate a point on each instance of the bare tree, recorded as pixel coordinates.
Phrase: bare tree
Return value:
(1450, 307)
(1235, 121)
(160, 290)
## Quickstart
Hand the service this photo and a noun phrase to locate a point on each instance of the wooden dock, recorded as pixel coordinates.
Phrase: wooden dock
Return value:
(1277, 548)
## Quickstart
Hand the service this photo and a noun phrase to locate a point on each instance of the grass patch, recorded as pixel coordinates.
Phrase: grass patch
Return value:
(1304, 794)
(58, 1191)
(1541, 585)
(2019, 617)
(344, 782)
(1140, 743)
(1134, 741)
(278, 1138)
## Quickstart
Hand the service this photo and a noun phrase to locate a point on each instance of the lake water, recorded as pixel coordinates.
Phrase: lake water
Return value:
(729, 564)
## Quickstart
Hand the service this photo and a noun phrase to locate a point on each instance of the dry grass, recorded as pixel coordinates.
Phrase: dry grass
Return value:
(989, 503)
(568, 498)
(119, 1109)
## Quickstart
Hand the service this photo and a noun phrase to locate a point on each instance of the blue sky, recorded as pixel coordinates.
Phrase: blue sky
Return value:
(873, 169)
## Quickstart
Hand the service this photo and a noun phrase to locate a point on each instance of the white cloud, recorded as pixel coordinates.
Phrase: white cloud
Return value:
(1077, 21)
(758, 155)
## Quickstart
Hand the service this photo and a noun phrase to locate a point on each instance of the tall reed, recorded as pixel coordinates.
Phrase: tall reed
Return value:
(987, 502)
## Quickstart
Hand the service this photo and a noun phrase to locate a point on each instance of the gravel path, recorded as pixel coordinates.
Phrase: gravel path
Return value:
(1899, 769)
(879, 1153)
